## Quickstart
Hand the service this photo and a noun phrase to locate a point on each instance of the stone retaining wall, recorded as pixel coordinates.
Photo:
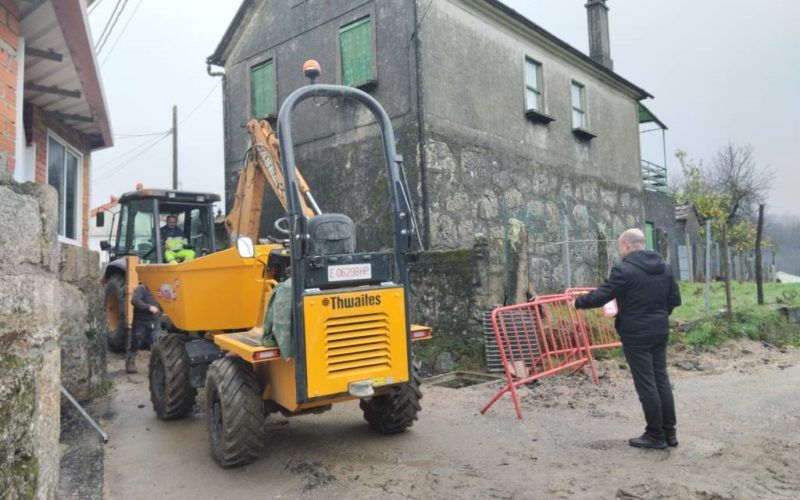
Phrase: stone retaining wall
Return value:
(46, 295)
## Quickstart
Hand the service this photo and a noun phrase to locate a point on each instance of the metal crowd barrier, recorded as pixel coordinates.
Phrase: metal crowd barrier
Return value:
(599, 327)
(538, 339)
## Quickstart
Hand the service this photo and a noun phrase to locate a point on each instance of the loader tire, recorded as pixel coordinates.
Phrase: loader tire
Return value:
(171, 393)
(116, 326)
(396, 411)
(234, 412)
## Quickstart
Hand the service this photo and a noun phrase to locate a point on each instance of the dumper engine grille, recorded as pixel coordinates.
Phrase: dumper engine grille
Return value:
(353, 343)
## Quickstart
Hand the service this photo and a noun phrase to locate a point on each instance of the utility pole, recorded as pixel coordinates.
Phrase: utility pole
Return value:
(759, 264)
(174, 147)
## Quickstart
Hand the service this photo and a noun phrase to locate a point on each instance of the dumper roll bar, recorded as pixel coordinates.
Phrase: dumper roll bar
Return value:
(404, 225)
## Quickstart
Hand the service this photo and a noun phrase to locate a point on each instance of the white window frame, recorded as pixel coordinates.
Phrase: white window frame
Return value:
(584, 125)
(539, 90)
(78, 194)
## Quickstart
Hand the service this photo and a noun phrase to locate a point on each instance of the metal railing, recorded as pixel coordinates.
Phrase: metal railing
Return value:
(654, 177)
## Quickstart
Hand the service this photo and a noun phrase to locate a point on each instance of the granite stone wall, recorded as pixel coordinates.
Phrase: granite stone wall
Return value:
(47, 302)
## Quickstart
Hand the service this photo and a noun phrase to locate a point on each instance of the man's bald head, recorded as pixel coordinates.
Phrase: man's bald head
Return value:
(630, 241)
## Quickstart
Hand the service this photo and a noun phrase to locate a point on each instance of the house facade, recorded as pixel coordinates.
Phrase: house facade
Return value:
(54, 110)
(522, 152)
(101, 223)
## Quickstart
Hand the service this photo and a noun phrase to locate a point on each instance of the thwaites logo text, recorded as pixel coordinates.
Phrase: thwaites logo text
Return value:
(348, 302)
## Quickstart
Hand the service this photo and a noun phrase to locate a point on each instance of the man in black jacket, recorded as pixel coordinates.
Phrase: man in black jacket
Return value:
(146, 324)
(646, 294)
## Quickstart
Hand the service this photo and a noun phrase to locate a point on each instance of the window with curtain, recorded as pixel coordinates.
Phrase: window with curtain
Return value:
(533, 86)
(262, 89)
(355, 44)
(63, 173)
(579, 106)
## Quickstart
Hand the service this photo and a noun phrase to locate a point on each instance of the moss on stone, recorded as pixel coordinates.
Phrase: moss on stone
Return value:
(20, 469)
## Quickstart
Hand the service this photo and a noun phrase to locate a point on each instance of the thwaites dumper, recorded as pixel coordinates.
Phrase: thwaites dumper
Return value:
(350, 330)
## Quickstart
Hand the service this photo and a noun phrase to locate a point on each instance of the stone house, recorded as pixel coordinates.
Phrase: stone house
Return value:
(101, 220)
(54, 112)
(514, 141)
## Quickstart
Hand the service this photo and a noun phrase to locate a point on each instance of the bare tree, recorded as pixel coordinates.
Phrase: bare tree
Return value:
(735, 174)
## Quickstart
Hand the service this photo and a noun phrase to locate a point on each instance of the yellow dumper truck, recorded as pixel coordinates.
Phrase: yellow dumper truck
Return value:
(344, 314)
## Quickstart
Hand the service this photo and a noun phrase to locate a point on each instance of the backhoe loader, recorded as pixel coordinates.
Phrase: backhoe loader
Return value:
(349, 330)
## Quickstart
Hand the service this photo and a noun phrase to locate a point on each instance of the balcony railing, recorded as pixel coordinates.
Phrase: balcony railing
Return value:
(654, 177)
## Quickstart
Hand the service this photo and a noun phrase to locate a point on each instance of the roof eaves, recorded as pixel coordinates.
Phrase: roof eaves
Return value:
(231, 34)
(641, 93)
(651, 117)
(71, 17)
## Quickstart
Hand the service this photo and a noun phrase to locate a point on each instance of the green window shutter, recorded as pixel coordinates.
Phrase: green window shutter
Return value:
(648, 233)
(355, 43)
(262, 87)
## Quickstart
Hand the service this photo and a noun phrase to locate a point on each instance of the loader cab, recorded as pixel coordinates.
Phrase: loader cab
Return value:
(144, 213)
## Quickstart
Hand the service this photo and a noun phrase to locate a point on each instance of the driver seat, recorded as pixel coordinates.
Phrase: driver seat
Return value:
(331, 234)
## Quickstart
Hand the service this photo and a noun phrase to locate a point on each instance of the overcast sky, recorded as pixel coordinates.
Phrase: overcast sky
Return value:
(720, 70)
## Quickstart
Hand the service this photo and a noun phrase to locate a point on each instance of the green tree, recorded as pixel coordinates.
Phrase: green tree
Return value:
(727, 192)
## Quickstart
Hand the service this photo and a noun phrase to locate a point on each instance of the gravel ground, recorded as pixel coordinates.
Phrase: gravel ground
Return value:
(738, 412)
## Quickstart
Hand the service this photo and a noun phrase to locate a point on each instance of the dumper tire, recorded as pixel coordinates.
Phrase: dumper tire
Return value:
(234, 412)
(116, 326)
(171, 392)
(395, 411)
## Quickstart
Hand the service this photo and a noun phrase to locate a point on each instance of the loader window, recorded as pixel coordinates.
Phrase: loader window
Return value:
(355, 44)
(137, 230)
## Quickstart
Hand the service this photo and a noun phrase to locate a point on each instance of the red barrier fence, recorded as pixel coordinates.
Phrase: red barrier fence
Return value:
(599, 327)
(538, 339)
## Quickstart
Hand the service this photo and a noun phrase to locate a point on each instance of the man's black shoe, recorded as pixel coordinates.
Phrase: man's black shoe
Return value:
(672, 441)
(645, 441)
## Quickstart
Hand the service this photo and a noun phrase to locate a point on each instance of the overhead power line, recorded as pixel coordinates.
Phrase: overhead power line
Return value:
(122, 32)
(122, 165)
(123, 156)
(94, 6)
(112, 22)
(203, 100)
(131, 136)
(108, 23)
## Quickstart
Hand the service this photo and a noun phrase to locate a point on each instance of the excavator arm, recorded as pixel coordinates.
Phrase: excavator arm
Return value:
(262, 167)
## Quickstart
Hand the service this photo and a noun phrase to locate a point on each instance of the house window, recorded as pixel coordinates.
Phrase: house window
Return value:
(649, 234)
(355, 44)
(579, 106)
(63, 173)
(262, 89)
(100, 219)
(533, 86)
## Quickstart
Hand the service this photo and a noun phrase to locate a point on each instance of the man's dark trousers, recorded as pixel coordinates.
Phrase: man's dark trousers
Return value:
(647, 358)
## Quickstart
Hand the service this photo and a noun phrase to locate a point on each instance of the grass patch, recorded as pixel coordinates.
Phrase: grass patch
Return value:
(749, 320)
(759, 323)
(743, 298)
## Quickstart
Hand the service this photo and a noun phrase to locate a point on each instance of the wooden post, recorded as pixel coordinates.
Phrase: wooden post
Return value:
(759, 263)
(726, 268)
(708, 267)
(689, 257)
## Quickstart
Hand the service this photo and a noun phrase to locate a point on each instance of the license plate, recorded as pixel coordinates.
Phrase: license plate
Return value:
(350, 272)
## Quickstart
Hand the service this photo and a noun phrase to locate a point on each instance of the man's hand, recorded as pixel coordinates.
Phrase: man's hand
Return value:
(154, 310)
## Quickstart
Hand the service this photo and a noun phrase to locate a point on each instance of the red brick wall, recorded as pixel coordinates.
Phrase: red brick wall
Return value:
(9, 43)
(39, 126)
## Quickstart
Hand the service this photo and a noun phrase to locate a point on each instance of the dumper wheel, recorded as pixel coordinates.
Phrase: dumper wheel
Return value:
(116, 326)
(170, 391)
(234, 412)
(396, 411)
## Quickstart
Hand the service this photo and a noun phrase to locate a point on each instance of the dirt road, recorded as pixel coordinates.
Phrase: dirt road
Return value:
(738, 426)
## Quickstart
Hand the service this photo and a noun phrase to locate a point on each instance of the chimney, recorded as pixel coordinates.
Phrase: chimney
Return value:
(599, 43)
